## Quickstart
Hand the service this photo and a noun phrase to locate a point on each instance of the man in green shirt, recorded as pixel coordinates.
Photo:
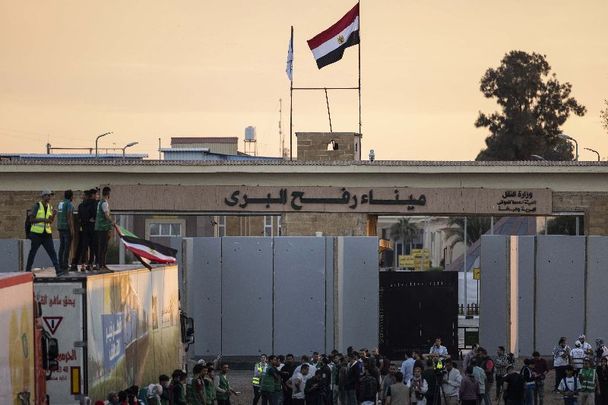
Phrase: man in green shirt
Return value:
(65, 226)
(222, 386)
(103, 228)
(588, 378)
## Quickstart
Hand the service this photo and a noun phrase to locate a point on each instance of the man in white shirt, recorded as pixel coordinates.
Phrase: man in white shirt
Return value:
(437, 350)
(451, 383)
(586, 346)
(407, 367)
(297, 383)
(577, 356)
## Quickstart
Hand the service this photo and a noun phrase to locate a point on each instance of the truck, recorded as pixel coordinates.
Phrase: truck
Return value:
(23, 358)
(113, 330)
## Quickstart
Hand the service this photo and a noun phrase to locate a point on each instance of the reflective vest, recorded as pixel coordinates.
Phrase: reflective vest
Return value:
(587, 379)
(40, 227)
(258, 371)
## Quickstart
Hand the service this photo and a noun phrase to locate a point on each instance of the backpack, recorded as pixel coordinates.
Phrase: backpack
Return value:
(368, 388)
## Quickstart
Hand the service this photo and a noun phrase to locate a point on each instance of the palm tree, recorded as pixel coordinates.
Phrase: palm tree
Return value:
(476, 226)
(405, 231)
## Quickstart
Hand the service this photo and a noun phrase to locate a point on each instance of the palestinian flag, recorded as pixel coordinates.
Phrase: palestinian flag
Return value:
(328, 46)
(145, 250)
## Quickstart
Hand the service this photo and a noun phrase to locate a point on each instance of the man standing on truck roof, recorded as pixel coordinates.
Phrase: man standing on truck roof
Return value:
(65, 226)
(42, 216)
(103, 228)
(86, 212)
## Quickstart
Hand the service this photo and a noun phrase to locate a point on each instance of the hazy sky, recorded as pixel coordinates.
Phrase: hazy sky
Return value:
(145, 69)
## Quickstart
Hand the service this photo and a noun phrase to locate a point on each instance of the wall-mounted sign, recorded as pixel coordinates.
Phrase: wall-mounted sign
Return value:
(375, 200)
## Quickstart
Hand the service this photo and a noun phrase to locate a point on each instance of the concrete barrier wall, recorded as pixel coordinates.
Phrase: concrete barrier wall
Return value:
(494, 292)
(252, 295)
(535, 289)
(11, 252)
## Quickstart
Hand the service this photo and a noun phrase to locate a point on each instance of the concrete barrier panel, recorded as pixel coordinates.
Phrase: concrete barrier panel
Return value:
(358, 297)
(526, 290)
(10, 252)
(299, 295)
(247, 295)
(597, 282)
(494, 292)
(560, 278)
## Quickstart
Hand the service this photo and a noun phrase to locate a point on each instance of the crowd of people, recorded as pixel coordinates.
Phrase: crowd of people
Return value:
(84, 231)
(362, 377)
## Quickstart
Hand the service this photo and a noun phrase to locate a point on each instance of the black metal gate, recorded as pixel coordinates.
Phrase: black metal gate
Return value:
(416, 308)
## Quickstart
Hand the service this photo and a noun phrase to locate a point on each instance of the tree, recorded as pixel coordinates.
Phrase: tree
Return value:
(604, 115)
(476, 226)
(534, 105)
(405, 231)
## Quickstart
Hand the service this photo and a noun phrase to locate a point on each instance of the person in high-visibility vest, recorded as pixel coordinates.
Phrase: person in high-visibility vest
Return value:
(42, 216)
(258, 372)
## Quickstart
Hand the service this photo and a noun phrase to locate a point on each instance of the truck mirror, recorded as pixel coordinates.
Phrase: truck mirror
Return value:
(187, 326)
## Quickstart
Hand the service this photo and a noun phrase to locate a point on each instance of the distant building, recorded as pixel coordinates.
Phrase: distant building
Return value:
(225, 145)
(207, 148)
(71, 156)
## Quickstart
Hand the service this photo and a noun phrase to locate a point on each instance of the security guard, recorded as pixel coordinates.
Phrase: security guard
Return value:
(42, 216)
(258, 372)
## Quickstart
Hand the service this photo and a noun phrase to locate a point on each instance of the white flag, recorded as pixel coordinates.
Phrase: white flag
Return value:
(289, 68)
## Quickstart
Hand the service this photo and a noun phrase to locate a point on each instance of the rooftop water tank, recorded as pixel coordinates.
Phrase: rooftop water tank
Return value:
(250, 134)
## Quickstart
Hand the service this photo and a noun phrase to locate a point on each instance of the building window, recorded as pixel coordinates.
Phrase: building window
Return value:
(220, 226)
(165, 229)
(268, 225)
(279, 230)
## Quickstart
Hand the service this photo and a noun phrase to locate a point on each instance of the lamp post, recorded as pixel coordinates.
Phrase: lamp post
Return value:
(569, 138)
(97, 140)
(127, 146)
(594, 151)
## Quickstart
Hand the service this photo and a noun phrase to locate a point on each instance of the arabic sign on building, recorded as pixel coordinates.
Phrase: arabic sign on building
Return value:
(380, 200)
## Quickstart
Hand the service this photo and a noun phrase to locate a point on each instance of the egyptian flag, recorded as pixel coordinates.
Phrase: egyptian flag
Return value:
(328, 46)
(146, 251)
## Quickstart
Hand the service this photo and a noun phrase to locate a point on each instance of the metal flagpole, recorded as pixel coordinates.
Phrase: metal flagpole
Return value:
(291, 103)
(359, 64)
(328, 111)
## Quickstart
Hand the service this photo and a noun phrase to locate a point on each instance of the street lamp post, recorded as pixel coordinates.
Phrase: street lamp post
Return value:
(97, 141)
(127, 146)
(594, 151)
(569, 138)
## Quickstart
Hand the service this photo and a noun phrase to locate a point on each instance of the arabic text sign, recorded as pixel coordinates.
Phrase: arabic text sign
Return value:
(390, 200)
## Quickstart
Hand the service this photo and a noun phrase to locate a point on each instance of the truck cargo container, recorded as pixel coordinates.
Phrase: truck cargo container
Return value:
(113, 330)
(21, 372)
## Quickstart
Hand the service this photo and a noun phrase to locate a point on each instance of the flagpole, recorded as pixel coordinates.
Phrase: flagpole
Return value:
(359, 65)
(291, 102)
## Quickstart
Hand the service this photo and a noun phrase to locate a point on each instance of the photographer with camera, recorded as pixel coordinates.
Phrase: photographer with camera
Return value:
(418, 387)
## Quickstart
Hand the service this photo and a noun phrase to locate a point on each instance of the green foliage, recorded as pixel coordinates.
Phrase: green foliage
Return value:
(476, 226)
(404, 230)
(534, 105)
